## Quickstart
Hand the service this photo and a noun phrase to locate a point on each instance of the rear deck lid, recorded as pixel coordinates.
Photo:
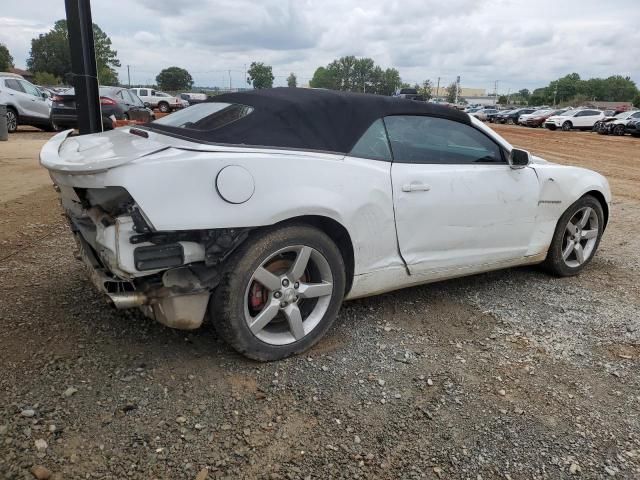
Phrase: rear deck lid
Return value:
(96, 152)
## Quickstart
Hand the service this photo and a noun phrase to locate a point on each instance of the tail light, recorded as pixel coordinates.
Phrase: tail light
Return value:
(57, 98)
(106, 101)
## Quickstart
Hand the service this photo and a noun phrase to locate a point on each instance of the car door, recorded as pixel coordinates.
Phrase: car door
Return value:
(586, 118)
(19, 97)
(38, 105)
(457, 201)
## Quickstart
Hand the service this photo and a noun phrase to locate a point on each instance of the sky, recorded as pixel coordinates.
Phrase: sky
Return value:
(518, 43)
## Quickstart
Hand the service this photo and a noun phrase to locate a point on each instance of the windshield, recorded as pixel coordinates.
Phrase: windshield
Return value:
(624, 114)
(206, 116)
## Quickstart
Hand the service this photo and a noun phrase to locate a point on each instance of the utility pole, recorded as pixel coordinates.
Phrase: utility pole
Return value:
(495, 92)
(457, 88)
(438, 90)
(555, 94)
(129, 76)
(229, 79)
(83, 65)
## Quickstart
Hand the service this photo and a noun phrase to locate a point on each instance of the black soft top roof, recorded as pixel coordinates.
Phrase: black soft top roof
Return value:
(308, 119)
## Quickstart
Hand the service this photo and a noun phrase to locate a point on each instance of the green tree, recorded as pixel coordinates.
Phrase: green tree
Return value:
(503, 100)
(6, 60)
(452, 92)
(636, 101)
(389, 83)
(45, 78)
(356, 75)
(174, 79)
(323, 78)
(524, 94)
(260, 75)
(426, 89)
(619, 89)
(50, 53)
(292, 80)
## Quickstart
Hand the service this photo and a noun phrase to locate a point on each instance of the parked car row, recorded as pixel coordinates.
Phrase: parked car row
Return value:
(582, 118)
(53, 109)
(116, 103)
(618, 123)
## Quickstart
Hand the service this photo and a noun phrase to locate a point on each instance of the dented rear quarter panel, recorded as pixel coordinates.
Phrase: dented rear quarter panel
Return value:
(176, 190)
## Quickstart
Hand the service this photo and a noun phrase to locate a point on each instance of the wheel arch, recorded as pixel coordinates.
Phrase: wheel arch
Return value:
(603, 203)
(337, 233)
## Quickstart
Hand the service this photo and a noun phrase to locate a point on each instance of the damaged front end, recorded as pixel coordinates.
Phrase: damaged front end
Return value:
(169, 275)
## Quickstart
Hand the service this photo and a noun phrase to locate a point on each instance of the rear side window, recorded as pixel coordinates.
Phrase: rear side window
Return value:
(206, 116)
(373, 143)
(143, 92)
(13, 84)
(421, 139)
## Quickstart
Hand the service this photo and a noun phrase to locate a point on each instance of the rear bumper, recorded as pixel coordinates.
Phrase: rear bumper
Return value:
(109, 258)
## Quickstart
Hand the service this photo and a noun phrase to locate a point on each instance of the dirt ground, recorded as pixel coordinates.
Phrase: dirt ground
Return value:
(510, 375)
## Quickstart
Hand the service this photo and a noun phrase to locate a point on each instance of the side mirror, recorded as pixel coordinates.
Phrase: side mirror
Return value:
(519, 158)
(44, 95)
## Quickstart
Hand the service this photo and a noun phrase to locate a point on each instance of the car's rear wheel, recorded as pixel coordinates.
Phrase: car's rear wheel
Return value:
(280, 292)
(576, 237)
(550, 126)
(12, 120)
(510, 121)
(566, 126)
(164, 107)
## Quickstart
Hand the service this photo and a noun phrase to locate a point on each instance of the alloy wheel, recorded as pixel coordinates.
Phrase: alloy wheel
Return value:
(12, 121)
(288, 295)
(580, 237)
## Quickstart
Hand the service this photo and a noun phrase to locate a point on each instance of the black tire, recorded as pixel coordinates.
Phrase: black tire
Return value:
(227, 305)
(566, 126)
(618, 130)
(510, 121)
(107, 124)
(551, 126)
(554, 263)
(12, 120)
(164, 107)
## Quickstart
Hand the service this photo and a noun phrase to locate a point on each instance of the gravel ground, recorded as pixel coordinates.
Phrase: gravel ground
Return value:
(511, 374)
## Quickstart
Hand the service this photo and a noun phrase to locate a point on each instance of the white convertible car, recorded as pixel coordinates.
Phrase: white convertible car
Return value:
(263, 210)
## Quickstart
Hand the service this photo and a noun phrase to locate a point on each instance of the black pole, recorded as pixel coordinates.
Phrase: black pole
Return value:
(83, 64)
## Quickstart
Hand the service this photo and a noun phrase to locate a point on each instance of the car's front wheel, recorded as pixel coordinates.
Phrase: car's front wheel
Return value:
(281, 291)
(566, 126)
(164, 107)
(576, 237)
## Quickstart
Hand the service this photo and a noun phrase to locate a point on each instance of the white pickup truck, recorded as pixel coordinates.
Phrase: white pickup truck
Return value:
(160, 100)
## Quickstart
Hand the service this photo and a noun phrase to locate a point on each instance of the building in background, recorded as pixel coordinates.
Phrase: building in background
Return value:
(26, 74)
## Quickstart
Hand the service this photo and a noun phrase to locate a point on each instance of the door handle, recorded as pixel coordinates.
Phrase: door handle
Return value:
(415, 187)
